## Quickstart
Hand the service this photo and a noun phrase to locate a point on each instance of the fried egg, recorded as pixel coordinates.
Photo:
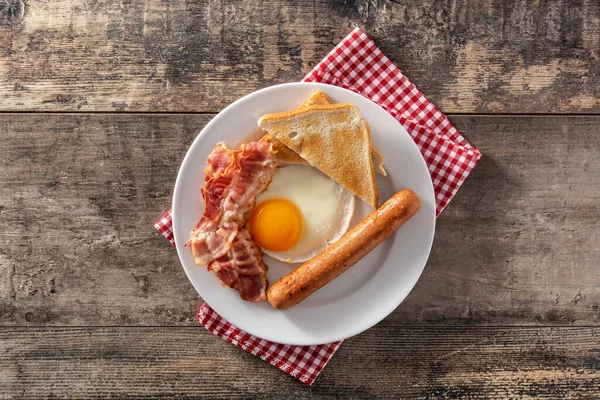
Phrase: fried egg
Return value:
(300, 214)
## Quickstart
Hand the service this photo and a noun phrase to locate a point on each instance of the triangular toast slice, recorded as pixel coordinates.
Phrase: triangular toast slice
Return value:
(286, 155)
(333, 138)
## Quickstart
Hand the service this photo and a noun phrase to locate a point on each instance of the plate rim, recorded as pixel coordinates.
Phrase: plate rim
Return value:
(179, 181)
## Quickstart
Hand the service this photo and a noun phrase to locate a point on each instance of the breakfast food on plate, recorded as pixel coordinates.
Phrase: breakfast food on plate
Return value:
(288, 156)
(300, 214)
(242, 268)
(318, 98)
(284, 153)
(233, 179)
(297, 212)
(377, 161)
(343, 254)
(335, 139)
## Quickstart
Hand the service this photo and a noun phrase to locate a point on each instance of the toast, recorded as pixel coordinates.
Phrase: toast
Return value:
(332, 137)
(288, 156)
(318, 98)
(284, 153)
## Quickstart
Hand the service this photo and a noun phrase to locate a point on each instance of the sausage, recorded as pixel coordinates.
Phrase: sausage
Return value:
(347, 251)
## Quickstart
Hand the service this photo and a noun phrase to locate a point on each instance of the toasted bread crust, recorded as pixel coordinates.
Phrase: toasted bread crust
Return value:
(321, 98)
(377, 161)
(288, 156)
(284, 153)
(333, 138)
(318, 98)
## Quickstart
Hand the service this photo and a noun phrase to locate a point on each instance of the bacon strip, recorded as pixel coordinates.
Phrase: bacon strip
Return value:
(242, 268)
(229, 195)
(233, 180)
(205, 241)
(217, 160)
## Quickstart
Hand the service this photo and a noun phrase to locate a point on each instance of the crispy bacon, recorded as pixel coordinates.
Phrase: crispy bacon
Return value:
(242, 268)
(206, 243)
(233, 180)
(217, 160)
(229, 195)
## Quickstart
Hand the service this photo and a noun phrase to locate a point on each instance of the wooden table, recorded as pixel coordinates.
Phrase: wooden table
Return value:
(100, 100)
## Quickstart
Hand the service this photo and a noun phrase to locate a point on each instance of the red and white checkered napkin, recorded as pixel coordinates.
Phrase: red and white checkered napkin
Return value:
(358, 65)
(302, 362)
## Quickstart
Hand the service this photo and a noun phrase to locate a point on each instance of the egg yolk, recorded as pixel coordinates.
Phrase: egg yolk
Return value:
(276, 224)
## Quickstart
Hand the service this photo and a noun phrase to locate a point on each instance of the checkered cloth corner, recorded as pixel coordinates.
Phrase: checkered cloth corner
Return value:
(302, 362)
(164, 226)
(358, 65)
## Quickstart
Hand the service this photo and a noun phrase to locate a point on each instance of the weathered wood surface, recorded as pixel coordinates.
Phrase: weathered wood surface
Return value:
(172, 55)
(79, 195)
(90, 293)
(384, 362)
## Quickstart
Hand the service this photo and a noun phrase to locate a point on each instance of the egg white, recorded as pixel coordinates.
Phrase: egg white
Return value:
(326, 209)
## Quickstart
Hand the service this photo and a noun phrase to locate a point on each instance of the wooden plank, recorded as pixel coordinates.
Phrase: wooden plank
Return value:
(469, 56)
(79, 194)
(384, 362)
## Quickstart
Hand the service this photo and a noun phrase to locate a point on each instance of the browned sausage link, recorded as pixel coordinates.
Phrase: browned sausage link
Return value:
(343, 254)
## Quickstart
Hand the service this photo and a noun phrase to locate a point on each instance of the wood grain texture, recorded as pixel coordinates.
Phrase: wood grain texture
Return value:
(384, 362)
(175, 55)
(79, 198)
(79, 194)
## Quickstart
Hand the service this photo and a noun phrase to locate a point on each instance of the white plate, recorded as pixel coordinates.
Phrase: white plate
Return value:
(366, 293)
